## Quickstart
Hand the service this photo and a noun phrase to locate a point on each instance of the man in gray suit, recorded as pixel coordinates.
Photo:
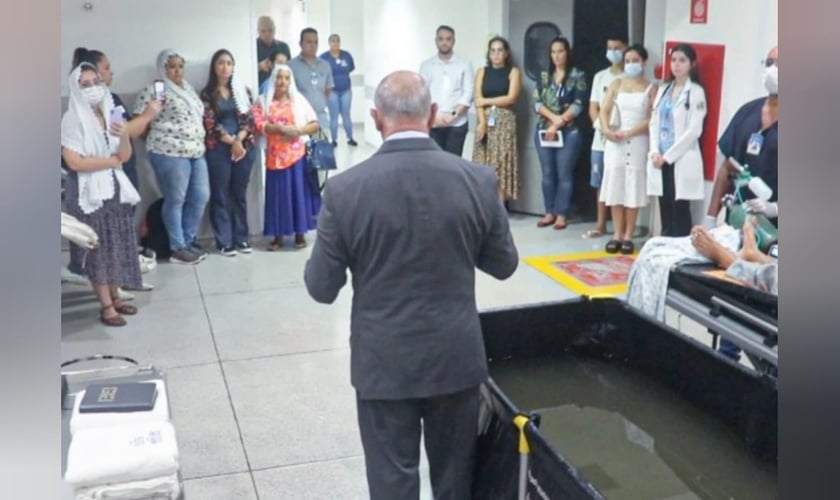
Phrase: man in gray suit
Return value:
(412, 223)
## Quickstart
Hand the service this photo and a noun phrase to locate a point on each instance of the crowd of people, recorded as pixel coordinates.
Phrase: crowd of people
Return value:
(417, 357)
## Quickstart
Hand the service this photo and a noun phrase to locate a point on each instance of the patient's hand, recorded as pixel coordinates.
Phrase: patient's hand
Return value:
(703, 241)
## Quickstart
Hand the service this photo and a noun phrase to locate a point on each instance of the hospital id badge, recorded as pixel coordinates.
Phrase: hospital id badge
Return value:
(755, 143)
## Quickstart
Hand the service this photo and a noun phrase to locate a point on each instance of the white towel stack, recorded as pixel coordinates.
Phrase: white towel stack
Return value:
(127, 456)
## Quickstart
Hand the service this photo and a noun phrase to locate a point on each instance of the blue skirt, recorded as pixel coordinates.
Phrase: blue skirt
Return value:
(291, 205)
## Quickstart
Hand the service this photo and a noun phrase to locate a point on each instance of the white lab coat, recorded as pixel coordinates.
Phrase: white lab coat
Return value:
(685, 153)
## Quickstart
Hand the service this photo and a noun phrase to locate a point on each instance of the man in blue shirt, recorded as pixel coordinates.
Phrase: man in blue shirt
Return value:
(313, 75)
(341, 97)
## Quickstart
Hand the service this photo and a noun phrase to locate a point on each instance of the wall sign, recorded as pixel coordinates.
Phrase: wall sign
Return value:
(699, 11)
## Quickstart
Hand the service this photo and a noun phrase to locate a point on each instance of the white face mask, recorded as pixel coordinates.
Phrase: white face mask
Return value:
(94, 95)
(614, 56)
(771, 80)
(633, 69)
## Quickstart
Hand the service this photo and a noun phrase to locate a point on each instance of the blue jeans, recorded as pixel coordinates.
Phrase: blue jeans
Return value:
(339, 104)
(185, 187)
(597, 172)
(228, 194)
(558, 168)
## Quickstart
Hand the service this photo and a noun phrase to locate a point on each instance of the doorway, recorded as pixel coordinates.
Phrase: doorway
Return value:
(587, 24)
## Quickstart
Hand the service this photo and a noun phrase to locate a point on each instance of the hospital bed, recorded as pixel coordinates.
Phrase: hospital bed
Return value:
(746, 317)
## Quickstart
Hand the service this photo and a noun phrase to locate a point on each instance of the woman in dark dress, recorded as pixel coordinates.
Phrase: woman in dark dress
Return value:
(98, 193)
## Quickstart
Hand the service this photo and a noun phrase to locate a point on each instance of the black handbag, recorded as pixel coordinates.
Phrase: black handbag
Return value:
(320, 153)
(320, 159)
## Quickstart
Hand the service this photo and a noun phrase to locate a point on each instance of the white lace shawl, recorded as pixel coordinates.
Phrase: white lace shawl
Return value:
(82, 133)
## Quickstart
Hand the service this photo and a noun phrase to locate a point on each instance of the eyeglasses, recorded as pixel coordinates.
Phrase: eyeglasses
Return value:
(770, 61)
(92, 83)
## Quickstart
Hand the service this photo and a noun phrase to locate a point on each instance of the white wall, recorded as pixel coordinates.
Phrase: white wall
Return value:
(400, 34)
(748, 29)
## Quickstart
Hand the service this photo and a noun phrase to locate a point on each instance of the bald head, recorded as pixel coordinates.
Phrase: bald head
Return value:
(403, 102)
(266, 28)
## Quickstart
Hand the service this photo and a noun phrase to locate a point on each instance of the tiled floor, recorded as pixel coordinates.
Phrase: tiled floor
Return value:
(259, 373)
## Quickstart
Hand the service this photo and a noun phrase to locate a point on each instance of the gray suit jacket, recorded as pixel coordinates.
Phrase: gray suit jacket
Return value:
(412, 223)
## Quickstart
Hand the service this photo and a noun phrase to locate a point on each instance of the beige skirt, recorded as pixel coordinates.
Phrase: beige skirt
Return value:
(498, 150)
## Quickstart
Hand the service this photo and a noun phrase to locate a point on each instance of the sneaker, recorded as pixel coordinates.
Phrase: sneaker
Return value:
(196, 249)
(243, 247)
(184, 256)
(353, 143)
(228, 251)
(144, 287)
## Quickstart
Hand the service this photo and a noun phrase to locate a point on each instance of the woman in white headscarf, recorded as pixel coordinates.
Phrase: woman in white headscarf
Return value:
(175, 144)
(287, 120)
(229, 122)
(98, 193)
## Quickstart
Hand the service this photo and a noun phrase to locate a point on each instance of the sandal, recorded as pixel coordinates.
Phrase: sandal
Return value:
(300, 242)
(546, 221)
(275, 245)
(627, 247)
(112, 321)
(560, 223)
(613, 246)
(126, 309)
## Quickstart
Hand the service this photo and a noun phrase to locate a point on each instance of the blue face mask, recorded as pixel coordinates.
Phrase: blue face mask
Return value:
(614, 56)
(633, 69)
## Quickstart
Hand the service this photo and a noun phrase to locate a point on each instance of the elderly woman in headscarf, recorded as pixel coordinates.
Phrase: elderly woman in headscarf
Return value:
(98, 193)
(229, 123)
(175, 144)
(287, 120)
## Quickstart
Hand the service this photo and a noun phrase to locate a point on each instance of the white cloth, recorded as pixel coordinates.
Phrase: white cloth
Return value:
(164, 487)
(80, 421)
(184, 91)
(82, 133)
(113, 455)
(625, 180)
(647, 284)
(303, 111)
(78, 232)
(685, 153)
(600, 83)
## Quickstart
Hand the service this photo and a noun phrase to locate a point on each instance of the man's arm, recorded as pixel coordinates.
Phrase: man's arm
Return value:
(498, 256)
(468, 87)
(326, 270)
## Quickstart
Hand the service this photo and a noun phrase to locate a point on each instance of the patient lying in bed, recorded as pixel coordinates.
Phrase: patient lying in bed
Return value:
(748, 266)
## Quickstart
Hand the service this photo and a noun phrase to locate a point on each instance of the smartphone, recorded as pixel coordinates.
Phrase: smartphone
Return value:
(160, 90)
(118, 115)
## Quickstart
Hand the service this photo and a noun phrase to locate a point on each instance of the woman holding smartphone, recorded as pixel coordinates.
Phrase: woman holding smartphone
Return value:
(559, 99)
(94, 146)
(175, 144)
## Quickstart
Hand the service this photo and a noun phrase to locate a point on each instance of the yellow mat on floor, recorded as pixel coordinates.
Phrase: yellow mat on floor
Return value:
(595, 274)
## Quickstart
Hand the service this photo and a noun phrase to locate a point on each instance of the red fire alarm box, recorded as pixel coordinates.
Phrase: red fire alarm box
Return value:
(699, 11)
(710, 69)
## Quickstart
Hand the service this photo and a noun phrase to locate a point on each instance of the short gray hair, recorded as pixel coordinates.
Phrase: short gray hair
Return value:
(403, 95)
